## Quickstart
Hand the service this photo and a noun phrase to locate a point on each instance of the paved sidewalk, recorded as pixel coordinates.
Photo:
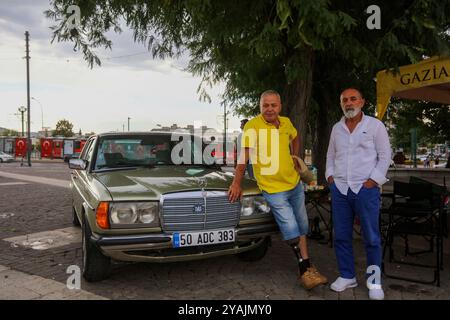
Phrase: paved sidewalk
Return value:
(38, 243)
(48, 181)
(16, 285)
(38, 160)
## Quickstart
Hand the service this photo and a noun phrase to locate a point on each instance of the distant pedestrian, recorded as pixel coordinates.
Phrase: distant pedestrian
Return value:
(426, 162)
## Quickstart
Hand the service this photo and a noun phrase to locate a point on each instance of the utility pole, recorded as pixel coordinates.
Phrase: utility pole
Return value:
(224, 133)
(22, 110)
(129, 123)
(413, 132)
(28, 98)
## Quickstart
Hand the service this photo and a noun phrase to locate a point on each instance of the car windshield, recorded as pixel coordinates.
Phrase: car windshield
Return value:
(147, 151)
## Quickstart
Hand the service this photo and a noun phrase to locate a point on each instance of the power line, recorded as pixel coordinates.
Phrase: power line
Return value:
(68, 59)
(126, 55)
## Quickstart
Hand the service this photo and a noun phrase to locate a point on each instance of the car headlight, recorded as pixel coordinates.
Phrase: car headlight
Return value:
(248, 206)
(253, 206)
(261, 205)
(148, 212)
(134, 213)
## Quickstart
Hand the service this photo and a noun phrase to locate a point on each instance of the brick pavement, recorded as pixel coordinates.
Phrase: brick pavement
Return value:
(39, 207)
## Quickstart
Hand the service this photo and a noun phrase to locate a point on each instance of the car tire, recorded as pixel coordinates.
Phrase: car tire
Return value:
(95, 266)
(256, 254)
(1, 160)
(75, 220)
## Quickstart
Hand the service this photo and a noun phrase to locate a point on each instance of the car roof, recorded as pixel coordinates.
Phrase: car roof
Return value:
(137, 133)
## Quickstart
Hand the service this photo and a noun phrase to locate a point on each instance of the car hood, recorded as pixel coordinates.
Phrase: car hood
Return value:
(151, 183)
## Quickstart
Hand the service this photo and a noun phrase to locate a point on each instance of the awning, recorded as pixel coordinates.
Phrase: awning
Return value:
(427, 80)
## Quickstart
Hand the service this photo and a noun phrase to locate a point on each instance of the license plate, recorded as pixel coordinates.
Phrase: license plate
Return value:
(186, 239)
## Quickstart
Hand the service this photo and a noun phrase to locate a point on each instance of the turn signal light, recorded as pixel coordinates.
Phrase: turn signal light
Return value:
(102, 215)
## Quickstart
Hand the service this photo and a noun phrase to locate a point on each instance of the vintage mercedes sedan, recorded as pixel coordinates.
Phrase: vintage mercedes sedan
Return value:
(156, 197)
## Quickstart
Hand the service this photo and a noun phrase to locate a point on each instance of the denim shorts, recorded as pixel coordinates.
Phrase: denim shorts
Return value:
(289, 211)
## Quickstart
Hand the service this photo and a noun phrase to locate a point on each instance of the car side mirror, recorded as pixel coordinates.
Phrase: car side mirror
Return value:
(77, 164)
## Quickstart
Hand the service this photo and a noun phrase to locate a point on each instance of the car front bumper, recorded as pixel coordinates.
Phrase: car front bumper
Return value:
(159, 247)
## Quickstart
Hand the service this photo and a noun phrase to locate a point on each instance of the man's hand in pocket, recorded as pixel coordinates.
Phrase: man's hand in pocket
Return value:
(370, 184)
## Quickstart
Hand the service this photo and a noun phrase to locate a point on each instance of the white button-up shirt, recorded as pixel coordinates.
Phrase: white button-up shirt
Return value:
(353, 158)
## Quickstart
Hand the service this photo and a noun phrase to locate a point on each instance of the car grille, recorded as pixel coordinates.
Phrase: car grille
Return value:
(177, 211)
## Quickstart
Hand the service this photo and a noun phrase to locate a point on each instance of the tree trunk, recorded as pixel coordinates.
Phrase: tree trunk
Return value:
(321, 136)
(295, 100)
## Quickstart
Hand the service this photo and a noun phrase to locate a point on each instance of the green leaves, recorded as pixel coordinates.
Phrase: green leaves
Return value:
(256, 45)
(431, 121)
(63, 128)
(283, 13)
(311, 23)
(267, 44)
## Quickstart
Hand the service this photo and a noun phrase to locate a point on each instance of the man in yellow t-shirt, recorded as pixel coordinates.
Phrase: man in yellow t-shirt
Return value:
(269, 141)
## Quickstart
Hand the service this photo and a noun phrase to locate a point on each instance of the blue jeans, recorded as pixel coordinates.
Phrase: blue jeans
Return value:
(289, 211)
(366, 204)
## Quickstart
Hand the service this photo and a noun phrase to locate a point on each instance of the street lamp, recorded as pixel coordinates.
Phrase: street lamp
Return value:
(42, 112)
(22, 110)
(129, 123)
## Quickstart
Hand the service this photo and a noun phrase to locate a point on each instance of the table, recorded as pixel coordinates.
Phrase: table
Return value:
(315, 200)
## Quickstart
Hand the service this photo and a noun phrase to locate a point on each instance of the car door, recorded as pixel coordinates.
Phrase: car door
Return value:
(79, 179)
(85, 174)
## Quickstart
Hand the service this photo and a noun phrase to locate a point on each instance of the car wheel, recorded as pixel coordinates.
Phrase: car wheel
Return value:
(75, 220)
(1, 160)
(96, 266)
(256, 254)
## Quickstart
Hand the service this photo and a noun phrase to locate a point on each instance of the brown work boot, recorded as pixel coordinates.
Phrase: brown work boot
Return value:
(312, 278)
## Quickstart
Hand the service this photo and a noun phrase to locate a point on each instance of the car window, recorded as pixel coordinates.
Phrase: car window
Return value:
(84, 150)
(129, 151)
(132, 151)
(90, 150)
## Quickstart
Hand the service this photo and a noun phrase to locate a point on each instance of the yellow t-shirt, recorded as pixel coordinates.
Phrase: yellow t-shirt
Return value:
(270, 153)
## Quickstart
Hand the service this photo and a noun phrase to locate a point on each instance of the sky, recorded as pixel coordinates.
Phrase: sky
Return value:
(130, 83)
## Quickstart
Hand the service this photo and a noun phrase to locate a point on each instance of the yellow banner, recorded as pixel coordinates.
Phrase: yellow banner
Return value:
(430, 72)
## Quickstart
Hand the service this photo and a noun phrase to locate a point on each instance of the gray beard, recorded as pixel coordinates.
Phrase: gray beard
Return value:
(351, 113)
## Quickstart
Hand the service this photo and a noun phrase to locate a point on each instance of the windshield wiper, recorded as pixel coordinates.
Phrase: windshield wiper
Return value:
(124, 165)
(106, 169)
(210, 166)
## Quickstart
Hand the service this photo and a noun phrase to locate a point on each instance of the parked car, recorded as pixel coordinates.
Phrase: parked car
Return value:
(143, 197)
(4, 157)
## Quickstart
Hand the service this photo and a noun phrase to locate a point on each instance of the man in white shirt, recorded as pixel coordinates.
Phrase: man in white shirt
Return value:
(358, 157)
